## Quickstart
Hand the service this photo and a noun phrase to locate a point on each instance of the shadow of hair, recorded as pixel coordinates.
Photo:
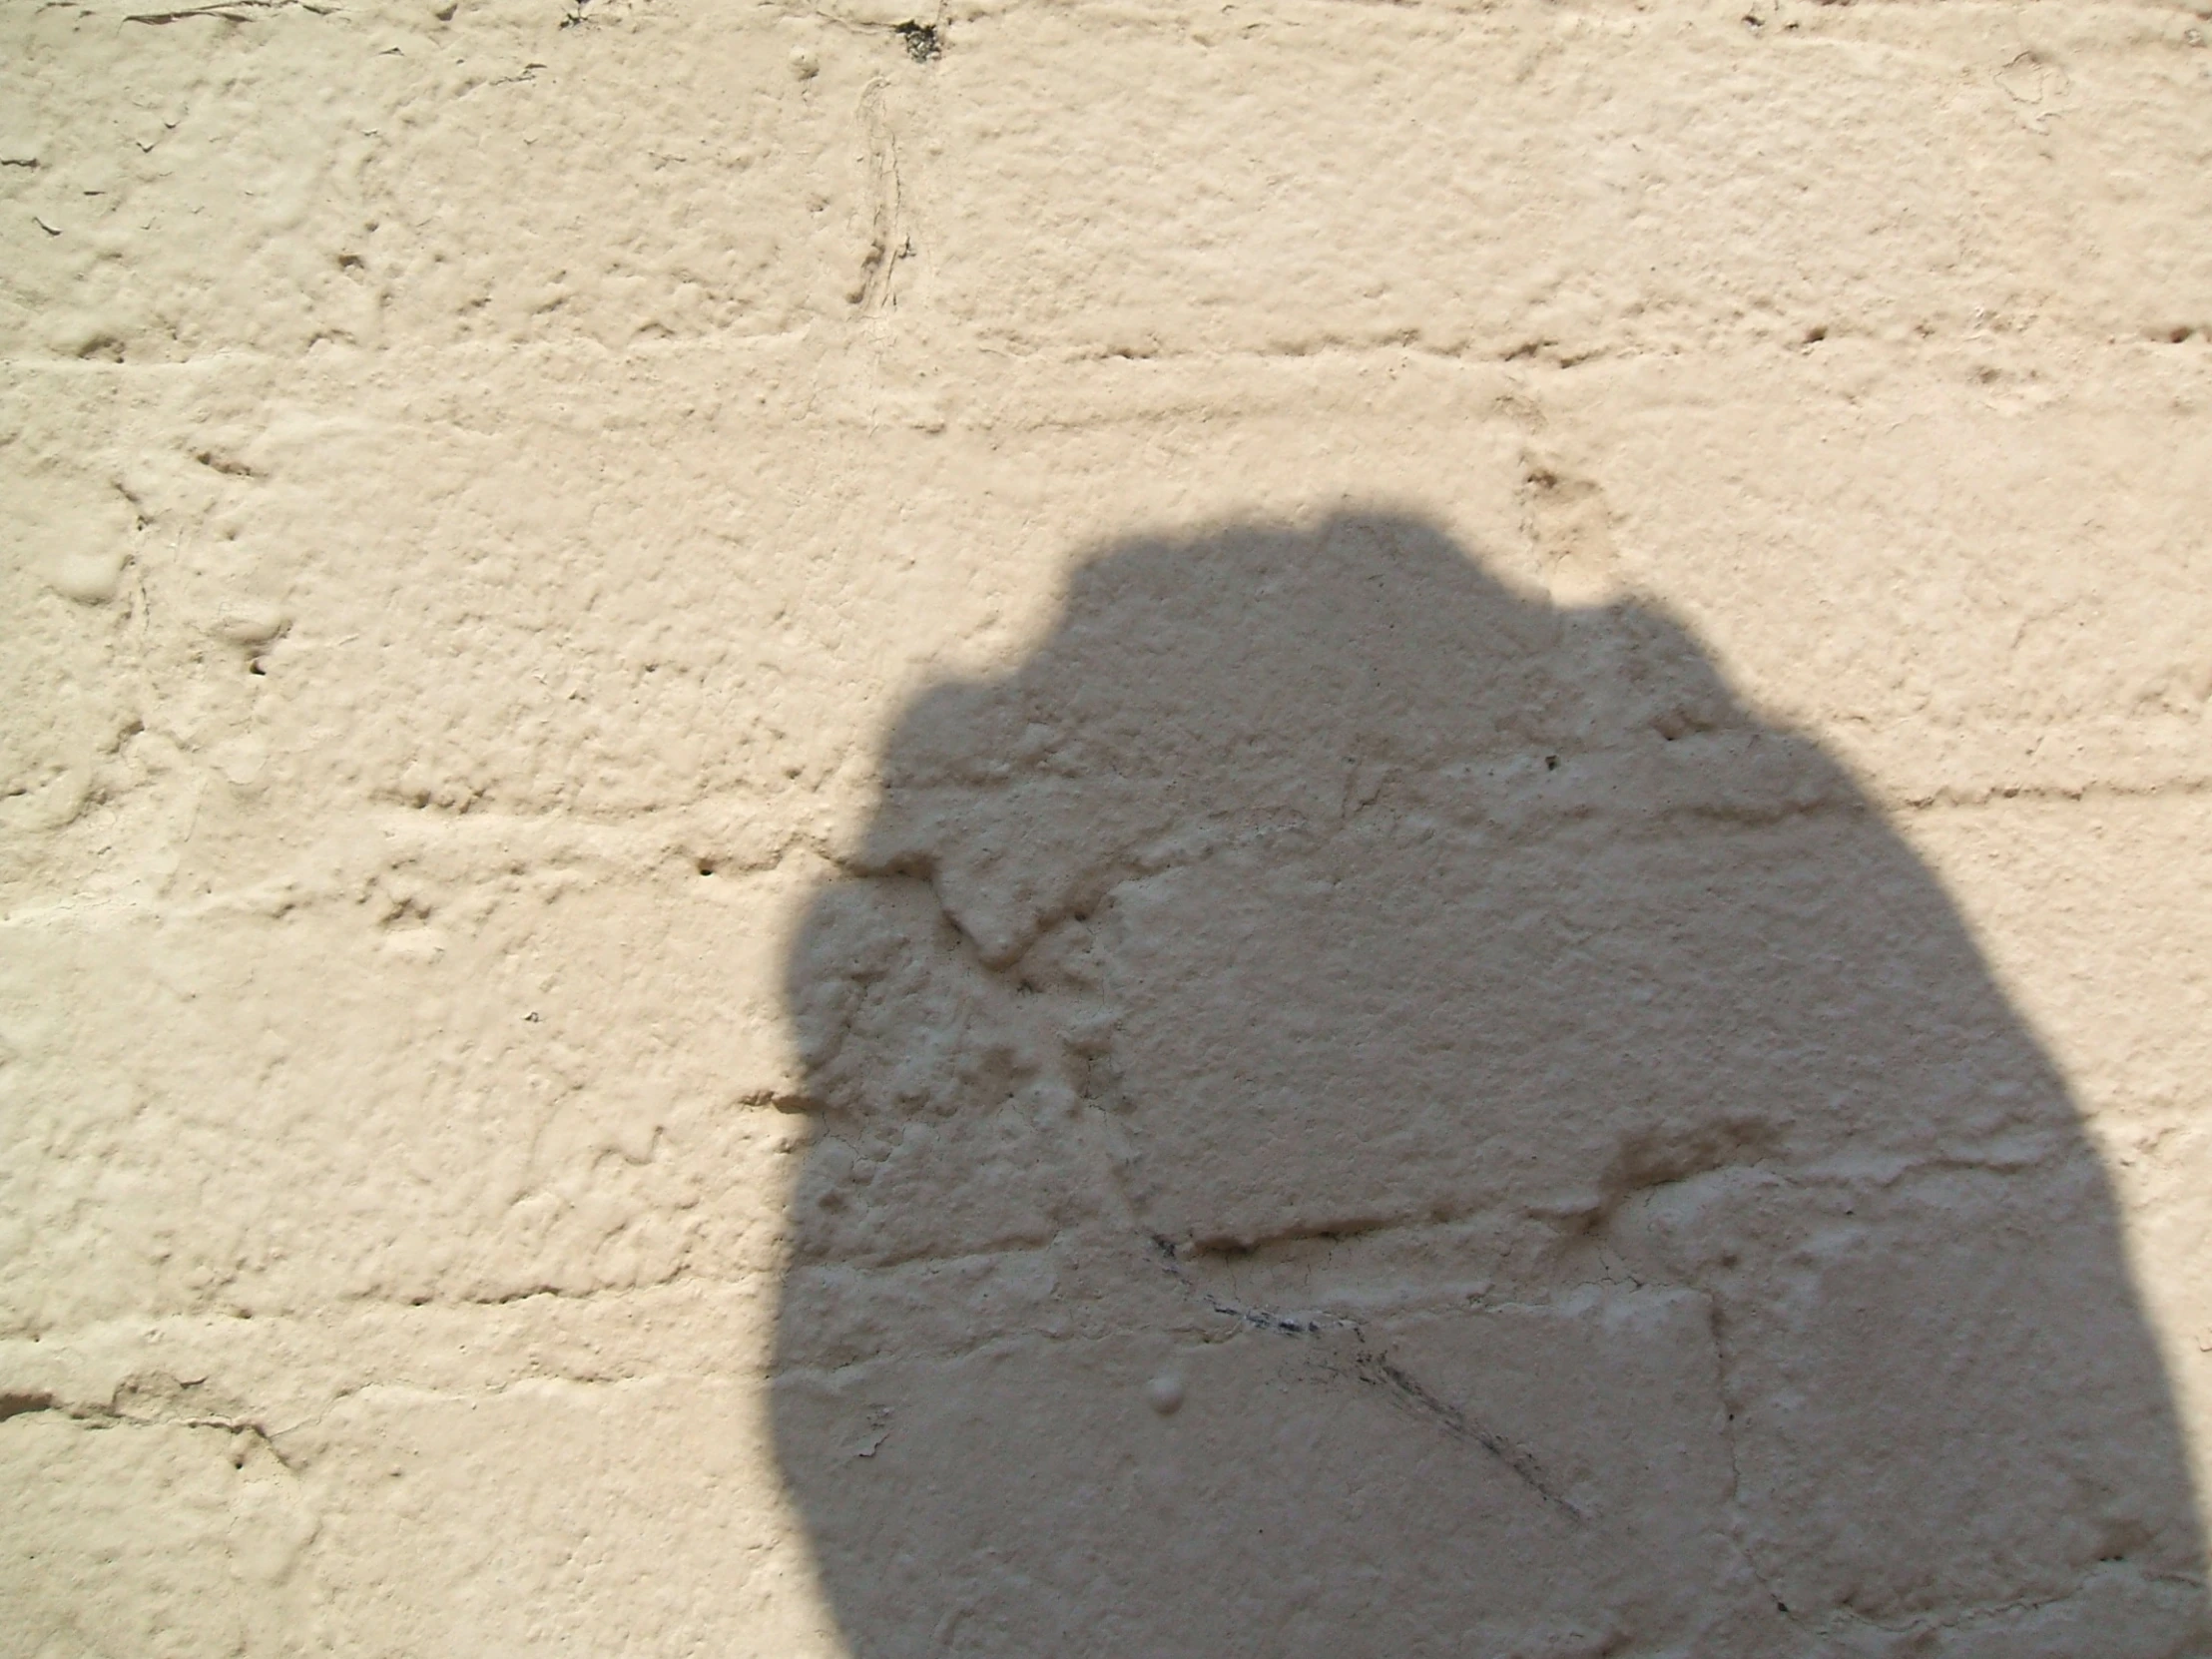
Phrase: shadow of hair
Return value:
(1357, 1112)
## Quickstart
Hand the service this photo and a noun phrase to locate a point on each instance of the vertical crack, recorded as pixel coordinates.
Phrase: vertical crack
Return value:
(890, 237)
(1738, 1535)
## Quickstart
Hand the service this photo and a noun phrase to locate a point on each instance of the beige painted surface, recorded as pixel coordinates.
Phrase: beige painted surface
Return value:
(811, 849)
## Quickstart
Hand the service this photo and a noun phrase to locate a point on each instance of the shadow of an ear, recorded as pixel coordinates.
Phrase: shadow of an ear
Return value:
(1359, 1113)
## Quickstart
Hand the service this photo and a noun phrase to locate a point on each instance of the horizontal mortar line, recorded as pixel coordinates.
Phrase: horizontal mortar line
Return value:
(2186, 787)
(1504, 20)
(995, 1342)
(98, 1414)
(697, 818)
(359, 357)
(340, 1306)
(1203, 1312)
(215, 1325)
(1814, 1176)
(318, 893)
(1522, 353)
(1979, 1613)
(552, 1294)
(694, 813)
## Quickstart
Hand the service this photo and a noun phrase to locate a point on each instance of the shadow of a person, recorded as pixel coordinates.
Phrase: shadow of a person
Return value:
(1359, 1113)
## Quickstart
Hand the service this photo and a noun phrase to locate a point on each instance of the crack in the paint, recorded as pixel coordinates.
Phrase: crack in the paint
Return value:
(229, 11)
(1373, 1364)
(890, 237)
(1736, 1532)
(19, 1402)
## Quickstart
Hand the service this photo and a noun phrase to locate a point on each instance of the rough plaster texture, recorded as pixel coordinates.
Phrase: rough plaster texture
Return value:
(1267, 829)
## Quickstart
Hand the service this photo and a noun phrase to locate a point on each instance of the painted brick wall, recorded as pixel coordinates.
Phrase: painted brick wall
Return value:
(1108, 828)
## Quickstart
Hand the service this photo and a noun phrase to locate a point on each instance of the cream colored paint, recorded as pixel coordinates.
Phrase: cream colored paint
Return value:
(485, 481)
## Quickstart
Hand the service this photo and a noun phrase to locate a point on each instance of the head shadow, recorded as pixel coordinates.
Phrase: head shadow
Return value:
(1357, 1112)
